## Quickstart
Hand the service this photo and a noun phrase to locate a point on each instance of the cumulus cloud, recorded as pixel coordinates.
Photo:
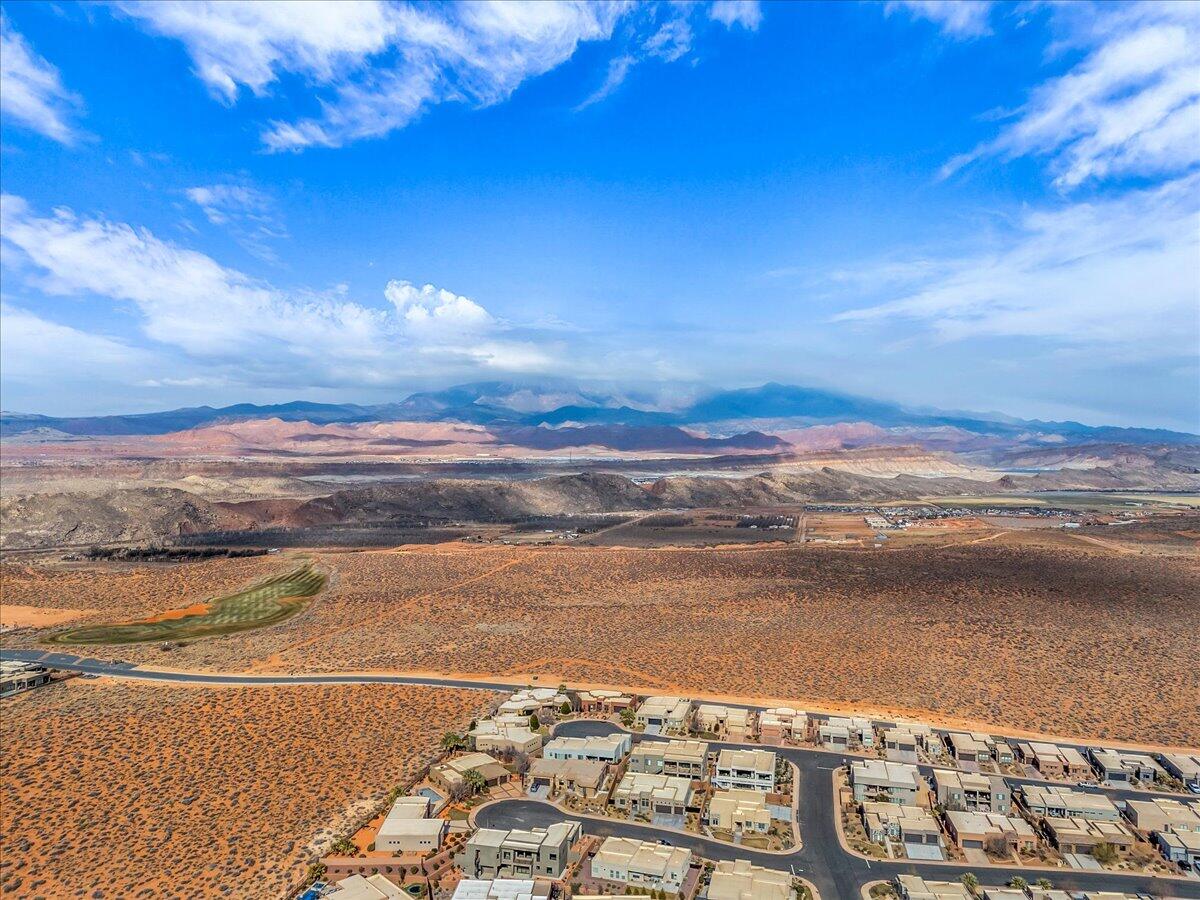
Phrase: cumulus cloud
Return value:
(222, 317)
(31, 89)
(1116, 276)
(1130, 106)
(958, 19)
(31, 347)
(746, 13)
(376, 66)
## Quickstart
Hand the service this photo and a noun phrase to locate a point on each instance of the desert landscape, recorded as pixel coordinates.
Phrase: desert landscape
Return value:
(971, 623)
(111, 789)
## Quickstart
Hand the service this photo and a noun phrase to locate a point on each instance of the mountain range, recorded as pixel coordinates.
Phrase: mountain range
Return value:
(517, 406)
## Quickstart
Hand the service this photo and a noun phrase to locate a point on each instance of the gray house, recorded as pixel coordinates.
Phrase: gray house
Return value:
(538, 852)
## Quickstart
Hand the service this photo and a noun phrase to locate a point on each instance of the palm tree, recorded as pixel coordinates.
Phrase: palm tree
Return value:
(1019, 883)
(474, 780)
(1044, 883)
(452, 741)
(970, 882)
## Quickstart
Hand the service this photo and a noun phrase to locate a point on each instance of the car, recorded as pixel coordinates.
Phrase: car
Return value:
(1194, 788)
(1085, 784)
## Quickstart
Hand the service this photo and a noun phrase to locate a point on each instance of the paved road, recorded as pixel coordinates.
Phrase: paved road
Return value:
(821, 859)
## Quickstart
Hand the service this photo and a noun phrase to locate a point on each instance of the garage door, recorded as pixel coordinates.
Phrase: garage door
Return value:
(972, 845)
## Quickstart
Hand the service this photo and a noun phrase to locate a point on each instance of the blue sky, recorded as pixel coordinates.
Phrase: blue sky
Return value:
(974, 206)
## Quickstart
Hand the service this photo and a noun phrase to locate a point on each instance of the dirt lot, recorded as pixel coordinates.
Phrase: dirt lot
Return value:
(113, 789)
(1035, 630)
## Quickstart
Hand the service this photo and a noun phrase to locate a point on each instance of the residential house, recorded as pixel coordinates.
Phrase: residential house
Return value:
(532, 701)
(742, 880)
(907, 824)
(603, 702)
(971, 791)
(607, 748)
(781, 725)
(448, 775)
(739, 811)
(520, 853)
(965, 747)
(582, 777)
(683, 759)
(1075, 835)
(1053, 802)
(1163, 814)
(408, 828)
(648, 795)
(840, 732)
(642, 864)
(900, 745)
(1054, 761)
(750, 769)
(1181, 847)
(877, 779)
(21, 676)
(663, 715)
(732, 723)
(979, 830)
(1119, 768)
(1184, 766)
(914, 887)
(505, 734)
(833, 737)
(366, 887)
(501, 889)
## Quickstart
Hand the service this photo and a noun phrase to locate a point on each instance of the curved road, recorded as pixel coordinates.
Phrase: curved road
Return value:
(820, 859)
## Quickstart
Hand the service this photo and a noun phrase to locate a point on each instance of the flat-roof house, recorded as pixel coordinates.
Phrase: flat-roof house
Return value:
(642, 864)
(1118, 768)
(608, 748)
(1054, 802)
(407, 828)
(739, 811)
(530, 701)
(907, 824)
(966, 747)
(1054, 761)
(1184, 766)
(520, 853)
(971, 791)
(750, 769)
(21, 676)
(448, 775)
(900, 745)
(1181, 847)
(648, 794)
(366, 887)
(507, 733)
(603, 702)
(581, 777)
(733, 722)
(833, 737)
(858, 732)
(877, 779)
(742, 880)
(781, 724)
(1075, 835)
(501, 889)
(914, 887)
(684, 759)
(976, 830)
(660, 715)
(1163, 814)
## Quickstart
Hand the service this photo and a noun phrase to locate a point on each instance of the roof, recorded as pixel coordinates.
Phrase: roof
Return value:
(600, 743)
(500, 889)
(659, 787)
(966, 822)
(676, 751)
(371, 887)
(918, 888)
(588, 772)
(968, 781)
(716, 711)
(966, 743)
(741, 880)
(665, 707)
(1052, 795)
(642, 856)
(758, 760)
(1100, 831)
(1171, 812)
(884, 773)
(408, 817)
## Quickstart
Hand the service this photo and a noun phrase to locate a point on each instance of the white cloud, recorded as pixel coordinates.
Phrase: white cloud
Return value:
(746, 13)
(377, 66)
(1131, 106)
(31, 347)
(31, 90)
(956, 18)
(249, 328)
(248, 213)
(1116, 276)
(618, 71)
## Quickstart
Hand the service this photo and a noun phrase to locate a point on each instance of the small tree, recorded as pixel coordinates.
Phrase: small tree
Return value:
(453, 741)
(474, 780)
(1019, 883)
(1105, 853)
(534, 724)
(520, 762)
(342, 846)
(458, 791)
(565, 709)
(1044, 884)
(970, 882)
(627, 718)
